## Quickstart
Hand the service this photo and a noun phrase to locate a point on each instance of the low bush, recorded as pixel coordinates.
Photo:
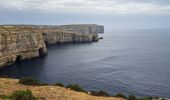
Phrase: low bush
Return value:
(5, 76)
(59, 84)
(150, 98)
(99, 93)
(31, 81)
(120, 95)
(131, 97)
(144, 98)
(23, 95)
(5, 97)
(20, 95)
(75, 87)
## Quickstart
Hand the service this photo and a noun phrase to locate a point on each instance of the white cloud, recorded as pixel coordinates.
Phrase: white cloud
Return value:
(89, 6)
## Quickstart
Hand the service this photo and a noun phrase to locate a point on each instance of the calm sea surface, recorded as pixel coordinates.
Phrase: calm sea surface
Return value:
(129, 61)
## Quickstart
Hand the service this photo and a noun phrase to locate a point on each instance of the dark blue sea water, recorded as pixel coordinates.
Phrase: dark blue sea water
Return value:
(128, 61)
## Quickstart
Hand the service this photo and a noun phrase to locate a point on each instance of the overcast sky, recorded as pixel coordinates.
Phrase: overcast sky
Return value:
(111, 13)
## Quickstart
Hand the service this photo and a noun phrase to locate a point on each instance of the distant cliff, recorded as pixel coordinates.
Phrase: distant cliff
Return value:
(84, 28)
(21, 42)
(56, 36)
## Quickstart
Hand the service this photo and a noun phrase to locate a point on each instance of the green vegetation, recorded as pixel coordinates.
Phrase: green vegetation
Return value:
(120, 95)
(131, 97)
(75, 87)
(5, 97)
(143, 99)
(20, 95)
(5, 76)
(59, 84)
(31, 81)
(23, 95)
(99, 93)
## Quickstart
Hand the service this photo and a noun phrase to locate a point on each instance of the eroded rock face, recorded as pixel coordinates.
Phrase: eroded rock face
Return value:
(17, 44)
(83, 28)
(72, 33)
(61, 36)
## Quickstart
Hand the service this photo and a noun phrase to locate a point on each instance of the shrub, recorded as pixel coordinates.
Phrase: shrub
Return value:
(30, 81)
(5, 76)
(75, 88)
(103, 93)
(5, 97)
(59, 84)
(156, 97)
(23, 95)
(150, 98)
(120, 95)
(144, 98)
(131, 97)
(94, 93)
(99, 93)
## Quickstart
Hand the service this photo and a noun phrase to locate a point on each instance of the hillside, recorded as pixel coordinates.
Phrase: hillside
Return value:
(8, 86)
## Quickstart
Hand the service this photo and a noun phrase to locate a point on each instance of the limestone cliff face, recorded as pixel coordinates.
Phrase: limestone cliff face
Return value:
(53, 36)
(83, 28)
(61, 36)
(18, 44)
(72, 33)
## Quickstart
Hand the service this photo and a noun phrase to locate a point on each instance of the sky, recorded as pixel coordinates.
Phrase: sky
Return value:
(116, 14)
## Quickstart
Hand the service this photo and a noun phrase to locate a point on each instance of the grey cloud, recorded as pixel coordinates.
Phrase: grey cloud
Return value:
(90, 6)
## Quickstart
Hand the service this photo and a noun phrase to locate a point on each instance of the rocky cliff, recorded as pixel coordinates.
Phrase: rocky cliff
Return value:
(53, 36)
(72, 33)
(83, 28)
(18, 44)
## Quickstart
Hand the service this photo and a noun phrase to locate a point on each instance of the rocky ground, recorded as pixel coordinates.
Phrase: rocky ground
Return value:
(8, 86)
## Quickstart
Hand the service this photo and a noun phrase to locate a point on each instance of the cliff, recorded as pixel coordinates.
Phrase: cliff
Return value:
(53, 36)
(72, 33)
(17, 44)
(83, 28)
(8, 86)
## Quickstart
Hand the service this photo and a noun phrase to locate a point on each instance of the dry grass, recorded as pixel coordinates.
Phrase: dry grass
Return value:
(8, 86)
